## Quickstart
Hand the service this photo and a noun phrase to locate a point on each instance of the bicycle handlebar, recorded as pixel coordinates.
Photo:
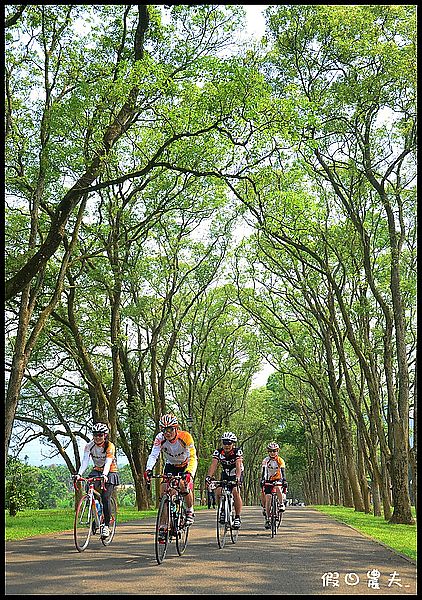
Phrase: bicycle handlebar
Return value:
(90, 480)
(223, 483)
(168, 478)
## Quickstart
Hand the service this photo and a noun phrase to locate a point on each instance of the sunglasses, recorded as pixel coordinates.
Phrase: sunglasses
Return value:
(270, 451)
(227, 443)
(99, 434)
(168, 429)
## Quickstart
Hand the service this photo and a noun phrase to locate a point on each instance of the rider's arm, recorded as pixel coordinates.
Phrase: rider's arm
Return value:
(155, 452)
(85, 459)
(282, 466)
(239, 462)
(193, 461)
(111, 450)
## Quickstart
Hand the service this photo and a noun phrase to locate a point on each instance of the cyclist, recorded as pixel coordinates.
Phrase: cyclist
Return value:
(273, 470)
(230, 457)
(103, 454)
(180, 458)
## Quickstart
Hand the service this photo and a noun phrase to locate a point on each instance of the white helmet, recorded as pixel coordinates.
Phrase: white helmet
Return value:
(273, 446)
(168, 420)
(100, 428)
(228, 436)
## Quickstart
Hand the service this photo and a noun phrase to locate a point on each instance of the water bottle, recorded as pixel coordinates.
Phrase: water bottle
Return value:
(99, 507)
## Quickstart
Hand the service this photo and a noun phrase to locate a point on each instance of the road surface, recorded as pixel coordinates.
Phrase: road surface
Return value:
(312, 554)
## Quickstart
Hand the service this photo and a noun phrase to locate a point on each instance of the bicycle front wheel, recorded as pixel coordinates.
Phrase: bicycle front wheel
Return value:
(181, 529)
(82, 526)
(222, 522)
(274, 515)
(112, 526)
(162, 529)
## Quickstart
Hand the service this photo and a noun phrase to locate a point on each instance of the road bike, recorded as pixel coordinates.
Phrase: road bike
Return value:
(89, 515)
(171, 518)
(276, 513)
(225, 512)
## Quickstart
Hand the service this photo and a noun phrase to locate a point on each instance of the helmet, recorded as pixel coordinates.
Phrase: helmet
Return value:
(228, 436)
(273, 446)
(168, 420)
(100, 428)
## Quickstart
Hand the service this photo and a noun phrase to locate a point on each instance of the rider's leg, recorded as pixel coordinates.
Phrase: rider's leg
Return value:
(238, 504)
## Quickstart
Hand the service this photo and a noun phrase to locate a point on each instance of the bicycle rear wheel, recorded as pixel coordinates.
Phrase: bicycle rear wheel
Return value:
(162, 529)
(234, 533)
(112, 526)
(82, 526)
(222, 524)
(181, 529)
(280, 516)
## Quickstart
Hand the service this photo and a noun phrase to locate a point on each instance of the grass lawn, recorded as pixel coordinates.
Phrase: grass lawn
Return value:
(28, 523)
(401, 538)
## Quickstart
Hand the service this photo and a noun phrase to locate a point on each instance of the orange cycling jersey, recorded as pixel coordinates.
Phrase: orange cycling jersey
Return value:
(99, 457)
(272, 468)
(179, 452)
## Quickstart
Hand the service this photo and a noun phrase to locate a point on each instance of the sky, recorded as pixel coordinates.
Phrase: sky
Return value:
(35, 452)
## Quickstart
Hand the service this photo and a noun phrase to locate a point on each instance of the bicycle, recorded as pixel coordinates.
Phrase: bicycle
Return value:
(87, 518)
(276, 514)
(171, 518)
(225, 513)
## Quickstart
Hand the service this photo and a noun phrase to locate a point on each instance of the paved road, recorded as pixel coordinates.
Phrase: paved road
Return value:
(302, 559)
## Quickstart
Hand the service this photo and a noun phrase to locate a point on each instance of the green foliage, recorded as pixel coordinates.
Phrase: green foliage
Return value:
(21, 488)
(36, 487)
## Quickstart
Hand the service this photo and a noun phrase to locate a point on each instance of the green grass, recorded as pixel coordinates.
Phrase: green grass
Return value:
(28, 523)
(401, 538)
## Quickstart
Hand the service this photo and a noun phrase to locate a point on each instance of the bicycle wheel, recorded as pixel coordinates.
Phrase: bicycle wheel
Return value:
(274, 515)
(234, 533)
(113, 520)
(181, 530)
(163, 522)
(82, 526)
(222, 524)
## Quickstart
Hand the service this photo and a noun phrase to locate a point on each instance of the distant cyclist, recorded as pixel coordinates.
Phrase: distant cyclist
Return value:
(102, 452)
(180, 458)
(273, 471)
(230, 457)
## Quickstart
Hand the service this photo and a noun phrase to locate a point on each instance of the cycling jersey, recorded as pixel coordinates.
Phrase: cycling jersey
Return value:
(103, 461)
(273, 468)
(179, 452)
(227, 460)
